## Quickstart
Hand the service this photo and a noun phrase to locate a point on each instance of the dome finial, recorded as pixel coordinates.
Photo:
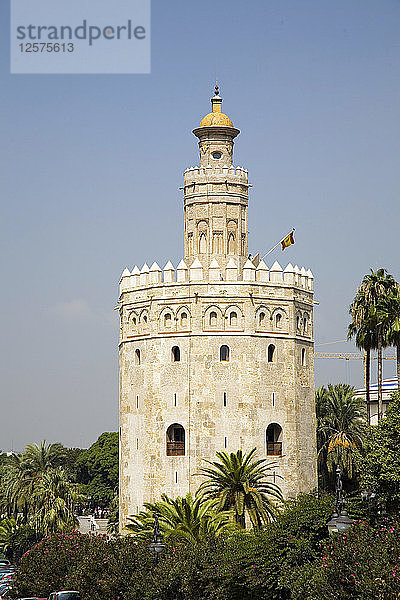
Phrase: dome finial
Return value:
(216, 89)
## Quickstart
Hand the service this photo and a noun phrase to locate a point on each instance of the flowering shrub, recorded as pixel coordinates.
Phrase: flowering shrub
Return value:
(363, 564)
(291, 559)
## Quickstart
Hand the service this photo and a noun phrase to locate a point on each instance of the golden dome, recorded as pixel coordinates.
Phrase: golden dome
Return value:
(216, 118)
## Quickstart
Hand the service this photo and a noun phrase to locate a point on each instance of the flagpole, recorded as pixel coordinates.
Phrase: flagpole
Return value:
(276, 245)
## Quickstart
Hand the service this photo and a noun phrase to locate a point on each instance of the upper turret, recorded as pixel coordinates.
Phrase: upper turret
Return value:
(216, 194)
(216, 134)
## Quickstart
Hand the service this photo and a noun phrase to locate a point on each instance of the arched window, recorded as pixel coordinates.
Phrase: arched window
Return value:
(261, 319)
(144, 319)
(305, 323)
(298, 322)
(134, 321)
(278, 320)
(224, 353)
(303, 357)
(231, 243)
(184, 319)
(175, 440)
(137, 357)
(213, 319)
(203, 243)
(167, 320)
(271, 353)
(176, 354)
(233, 319)
(274, 440)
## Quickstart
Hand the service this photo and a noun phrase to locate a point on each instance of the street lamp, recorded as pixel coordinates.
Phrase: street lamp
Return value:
(156, 544)
(340, 520)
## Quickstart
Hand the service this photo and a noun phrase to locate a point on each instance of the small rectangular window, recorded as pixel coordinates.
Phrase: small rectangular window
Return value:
(273, 398)
(225, 399)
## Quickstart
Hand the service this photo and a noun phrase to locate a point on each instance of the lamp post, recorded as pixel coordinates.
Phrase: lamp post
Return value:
(340, 520)
(156, 545)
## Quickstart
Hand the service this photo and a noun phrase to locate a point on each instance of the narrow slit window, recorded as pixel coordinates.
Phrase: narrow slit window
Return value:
(213, 319)
(224, 354)
(278, 320)
(137, 357)
(176, 354)
(303, 357)
(261, 319)
(271, 353)
(174, 399)
(137, 443)
(273, 399)
(225, 399)
(176, 476)
(137, 401)
(225, 442)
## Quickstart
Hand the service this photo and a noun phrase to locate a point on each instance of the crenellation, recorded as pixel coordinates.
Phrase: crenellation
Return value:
(262, 272)
(155, 273)
(276, 273)
(182, 272)
(169, 272)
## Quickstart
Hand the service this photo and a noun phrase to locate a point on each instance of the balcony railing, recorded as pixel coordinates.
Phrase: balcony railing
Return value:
(175, 448)
(274, 448)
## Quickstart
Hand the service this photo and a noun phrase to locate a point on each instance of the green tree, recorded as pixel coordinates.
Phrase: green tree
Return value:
(380, 466)
(367, 314)
(365, 339)
(54, 500)
(16, 537)
(240, 483)
(341, 428)
(98, 469)
(391, 314)
(184, 519)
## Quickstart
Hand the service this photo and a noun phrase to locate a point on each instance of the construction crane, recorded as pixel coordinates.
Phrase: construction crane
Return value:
(351, 356)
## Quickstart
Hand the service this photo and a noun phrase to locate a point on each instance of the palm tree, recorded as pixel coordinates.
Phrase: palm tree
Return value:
(366, 313)
(340, 426)
(38, 458)
(25, 472)
(240, 483)
(361, 328)
(184, 519)
(53, 502)
(391, 310)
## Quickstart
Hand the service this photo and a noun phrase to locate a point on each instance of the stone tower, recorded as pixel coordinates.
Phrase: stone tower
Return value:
(216, 354)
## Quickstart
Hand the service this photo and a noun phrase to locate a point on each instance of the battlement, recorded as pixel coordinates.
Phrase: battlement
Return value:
(213, 272)
(211, 171)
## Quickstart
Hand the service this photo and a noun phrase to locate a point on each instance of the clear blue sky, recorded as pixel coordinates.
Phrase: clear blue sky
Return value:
(91, 166)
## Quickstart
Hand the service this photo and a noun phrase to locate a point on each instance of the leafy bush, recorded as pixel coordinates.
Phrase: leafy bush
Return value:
(243, 565)
(362, 564)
